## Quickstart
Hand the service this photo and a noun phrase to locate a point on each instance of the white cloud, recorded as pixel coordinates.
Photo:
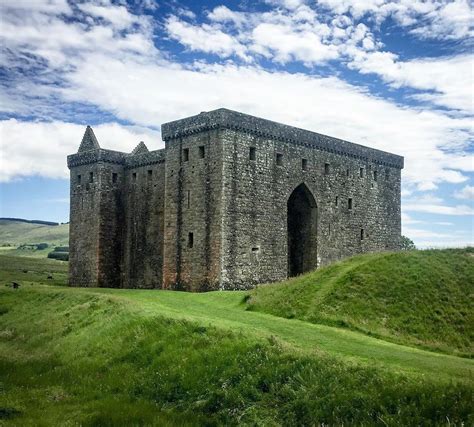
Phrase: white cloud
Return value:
(466, 193)
(450, 78)
(430, 19)
(124, 74)
(204, 38)
(44, 146)
(459, 210)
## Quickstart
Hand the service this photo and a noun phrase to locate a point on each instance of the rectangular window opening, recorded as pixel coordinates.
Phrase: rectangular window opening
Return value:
(347, 172)
(256, 249)
(337, 200)
(361, 172)
(304, 164)
(91, 176)
(134, 176)
(326, 168)
(202, 152)
(375, 175)
(279, 159)
(190, 240)
(362, 234)
(252, 153)
(79, 177)
(114, 177)
(189, 198)
(150, 174)
(349, 203)
(185, 154)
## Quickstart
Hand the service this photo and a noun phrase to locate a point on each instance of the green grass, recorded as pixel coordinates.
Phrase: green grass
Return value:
(16, 233)
(419, 298)
(131, 357)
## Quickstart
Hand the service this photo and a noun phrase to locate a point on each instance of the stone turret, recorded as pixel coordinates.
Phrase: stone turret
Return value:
(95, 214)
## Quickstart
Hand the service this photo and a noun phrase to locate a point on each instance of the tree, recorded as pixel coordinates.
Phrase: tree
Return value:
(406, 244)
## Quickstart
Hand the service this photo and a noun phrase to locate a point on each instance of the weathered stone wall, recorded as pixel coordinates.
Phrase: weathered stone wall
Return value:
(256, 192)
(96, 219)
(144, 216)
(193, 212)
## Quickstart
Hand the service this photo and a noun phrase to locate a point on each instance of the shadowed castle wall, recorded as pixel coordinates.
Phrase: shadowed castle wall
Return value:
(193, 212)
(143, 220)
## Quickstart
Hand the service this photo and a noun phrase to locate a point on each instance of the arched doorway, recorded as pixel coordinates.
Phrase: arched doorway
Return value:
(302, 222)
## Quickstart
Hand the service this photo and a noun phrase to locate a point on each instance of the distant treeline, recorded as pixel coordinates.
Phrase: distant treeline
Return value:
(33, 221)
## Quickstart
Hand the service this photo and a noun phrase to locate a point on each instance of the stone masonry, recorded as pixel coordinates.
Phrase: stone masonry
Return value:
(231, 201)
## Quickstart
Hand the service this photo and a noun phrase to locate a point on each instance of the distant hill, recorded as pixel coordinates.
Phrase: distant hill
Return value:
(421, 298)
(16, 232)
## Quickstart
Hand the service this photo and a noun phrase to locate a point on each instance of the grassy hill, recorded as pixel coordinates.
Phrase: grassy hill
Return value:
(136, 357)
(422, 298)
(18, 232)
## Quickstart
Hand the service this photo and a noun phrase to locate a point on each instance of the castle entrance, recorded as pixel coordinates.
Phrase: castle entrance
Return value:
(302, 231)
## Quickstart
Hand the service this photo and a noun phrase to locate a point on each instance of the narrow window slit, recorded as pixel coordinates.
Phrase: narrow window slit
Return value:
(279, 159)
(190, 240)
(252, 153)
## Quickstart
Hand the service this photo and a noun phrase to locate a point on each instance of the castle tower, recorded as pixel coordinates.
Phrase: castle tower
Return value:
(95, 214)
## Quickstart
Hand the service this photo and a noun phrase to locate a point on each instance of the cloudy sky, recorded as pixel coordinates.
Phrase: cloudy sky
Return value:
(393, 75)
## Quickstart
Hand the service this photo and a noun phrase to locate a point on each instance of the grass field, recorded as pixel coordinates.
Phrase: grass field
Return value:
(135, 357)
(419, 298)
(17, 233)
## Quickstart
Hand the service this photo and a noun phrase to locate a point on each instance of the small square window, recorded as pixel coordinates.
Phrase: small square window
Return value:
(79, 178)
(202, 152)
(361, 172)
(304, 164)
(114, 178)
(91, 176)
(252, 153)
(279, 159)
(349, 203)
(134, 176)
(190, 240)
(326, 168)
(185, 154)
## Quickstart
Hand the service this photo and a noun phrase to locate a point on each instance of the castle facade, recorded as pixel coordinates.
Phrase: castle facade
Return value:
(231, 201)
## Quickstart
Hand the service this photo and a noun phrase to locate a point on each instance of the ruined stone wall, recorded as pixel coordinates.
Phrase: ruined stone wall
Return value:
(193, 212)
(143, 220)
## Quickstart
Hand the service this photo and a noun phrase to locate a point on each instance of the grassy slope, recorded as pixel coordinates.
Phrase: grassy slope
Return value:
(421, 298)
(18, 233)
(127, 356)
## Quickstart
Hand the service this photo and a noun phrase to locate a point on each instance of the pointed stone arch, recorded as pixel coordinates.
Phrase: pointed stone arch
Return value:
(302, 226)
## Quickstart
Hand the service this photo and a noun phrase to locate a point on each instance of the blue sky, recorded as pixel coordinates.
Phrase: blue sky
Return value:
(393, 75)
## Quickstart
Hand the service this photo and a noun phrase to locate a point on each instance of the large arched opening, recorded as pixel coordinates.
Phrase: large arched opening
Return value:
(302, 223)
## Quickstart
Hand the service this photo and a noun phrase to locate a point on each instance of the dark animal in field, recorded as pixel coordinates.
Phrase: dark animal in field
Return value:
(50, 277)
(15, 285)
(25, 271)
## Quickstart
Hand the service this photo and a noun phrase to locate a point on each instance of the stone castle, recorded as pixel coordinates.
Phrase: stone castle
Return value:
(231, 201)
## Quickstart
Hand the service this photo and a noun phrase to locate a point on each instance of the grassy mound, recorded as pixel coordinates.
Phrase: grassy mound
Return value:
(421, 298)
(70, 356)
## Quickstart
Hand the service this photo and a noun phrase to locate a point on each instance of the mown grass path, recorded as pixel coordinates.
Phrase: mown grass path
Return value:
(226, 310)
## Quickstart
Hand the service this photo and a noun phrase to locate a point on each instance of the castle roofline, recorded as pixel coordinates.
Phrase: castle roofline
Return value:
(224, 118)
